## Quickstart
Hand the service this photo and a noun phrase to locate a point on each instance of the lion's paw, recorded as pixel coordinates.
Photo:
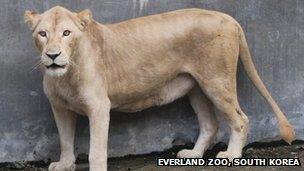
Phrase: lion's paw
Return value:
(62, 166)
(185, 153)
(226, 154)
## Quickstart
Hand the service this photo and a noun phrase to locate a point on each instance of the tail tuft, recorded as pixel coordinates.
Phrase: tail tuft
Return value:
(287, 131)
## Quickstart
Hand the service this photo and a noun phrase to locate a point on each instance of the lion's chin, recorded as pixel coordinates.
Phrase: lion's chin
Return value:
(57, 72)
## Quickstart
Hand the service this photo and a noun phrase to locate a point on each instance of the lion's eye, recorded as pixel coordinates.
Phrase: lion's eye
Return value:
(66, 33)
(42, 33)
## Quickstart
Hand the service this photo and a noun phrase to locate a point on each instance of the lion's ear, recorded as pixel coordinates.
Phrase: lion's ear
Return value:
(31, 18)
(85, 17)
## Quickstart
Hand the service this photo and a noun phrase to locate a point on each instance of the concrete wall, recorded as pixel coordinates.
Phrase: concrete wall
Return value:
(275, 32)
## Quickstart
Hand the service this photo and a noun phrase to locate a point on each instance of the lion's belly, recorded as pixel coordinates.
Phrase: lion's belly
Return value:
(171, 91)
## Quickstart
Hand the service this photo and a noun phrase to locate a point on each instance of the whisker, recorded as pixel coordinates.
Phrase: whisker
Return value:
(38, 63)
(72, 63)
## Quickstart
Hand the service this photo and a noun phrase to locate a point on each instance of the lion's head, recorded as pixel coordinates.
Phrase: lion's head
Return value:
(56, 32)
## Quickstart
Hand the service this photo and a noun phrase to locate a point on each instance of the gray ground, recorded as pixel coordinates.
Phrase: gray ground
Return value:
(147, 162)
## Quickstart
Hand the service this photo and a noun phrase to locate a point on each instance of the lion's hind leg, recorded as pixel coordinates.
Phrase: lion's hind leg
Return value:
(207, 124)
(222, 93)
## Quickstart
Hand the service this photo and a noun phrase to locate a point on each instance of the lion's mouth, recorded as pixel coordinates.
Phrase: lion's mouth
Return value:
(55, 66)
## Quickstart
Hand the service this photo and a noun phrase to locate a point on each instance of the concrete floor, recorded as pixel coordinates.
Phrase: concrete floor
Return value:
(148, 162)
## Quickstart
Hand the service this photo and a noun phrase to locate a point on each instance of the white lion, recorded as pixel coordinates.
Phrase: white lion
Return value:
(90, 68)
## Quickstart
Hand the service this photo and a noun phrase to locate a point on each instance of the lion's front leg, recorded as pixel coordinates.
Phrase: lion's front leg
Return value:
(65, 121)
(99, 118)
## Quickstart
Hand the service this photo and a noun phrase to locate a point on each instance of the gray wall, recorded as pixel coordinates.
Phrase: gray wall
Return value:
(275, 32)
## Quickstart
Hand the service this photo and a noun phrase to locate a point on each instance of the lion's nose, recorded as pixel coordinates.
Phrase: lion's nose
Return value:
(53, 56)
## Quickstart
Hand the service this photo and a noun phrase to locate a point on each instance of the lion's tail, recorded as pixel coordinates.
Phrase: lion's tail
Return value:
(286, 129)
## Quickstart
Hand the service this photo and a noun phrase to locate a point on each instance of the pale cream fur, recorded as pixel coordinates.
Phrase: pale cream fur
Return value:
(144, 62)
